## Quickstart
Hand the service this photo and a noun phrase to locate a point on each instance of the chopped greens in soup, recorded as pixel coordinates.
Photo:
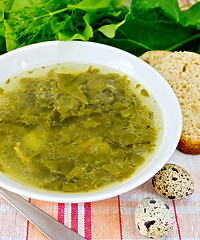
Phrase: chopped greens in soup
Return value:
(74, 131)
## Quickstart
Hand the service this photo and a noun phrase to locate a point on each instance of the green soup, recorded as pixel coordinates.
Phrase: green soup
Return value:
(74, 131)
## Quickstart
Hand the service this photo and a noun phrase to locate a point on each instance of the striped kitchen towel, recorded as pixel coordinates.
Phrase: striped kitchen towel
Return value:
(112, 218)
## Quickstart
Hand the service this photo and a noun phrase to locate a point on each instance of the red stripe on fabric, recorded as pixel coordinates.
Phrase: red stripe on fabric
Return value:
(61, 212)
(88, 220)
(74, 217)
(176, 217)
(27, 225)
(120, 218)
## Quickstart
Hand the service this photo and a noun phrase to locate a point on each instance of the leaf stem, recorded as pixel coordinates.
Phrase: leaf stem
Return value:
(183, 42)
(172, 48)
(60, 11)
(134, 42)
(52, 13)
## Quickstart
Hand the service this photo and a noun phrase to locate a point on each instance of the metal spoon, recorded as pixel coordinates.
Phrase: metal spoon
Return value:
(50, 227)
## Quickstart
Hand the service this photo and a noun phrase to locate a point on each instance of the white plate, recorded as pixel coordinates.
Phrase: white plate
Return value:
(88, 52)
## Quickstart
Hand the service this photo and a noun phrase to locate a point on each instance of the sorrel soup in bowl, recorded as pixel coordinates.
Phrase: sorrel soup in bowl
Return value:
(81, 121)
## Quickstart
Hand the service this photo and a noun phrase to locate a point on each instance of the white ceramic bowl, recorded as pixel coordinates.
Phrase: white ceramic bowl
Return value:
(87, 52)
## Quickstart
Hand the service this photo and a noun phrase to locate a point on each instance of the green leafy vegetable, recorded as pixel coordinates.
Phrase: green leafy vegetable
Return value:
(191, 18)
(145, 25)
(10, 37)
(2, 29)
(157, 25)
(39, 20)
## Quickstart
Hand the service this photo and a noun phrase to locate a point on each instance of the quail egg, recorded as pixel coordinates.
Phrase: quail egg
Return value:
(173, 182)
(153, 218)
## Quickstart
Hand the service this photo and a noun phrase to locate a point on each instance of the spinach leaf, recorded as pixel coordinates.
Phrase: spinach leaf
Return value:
(155, 25)
(145, 25)
(191, 17)
(152, 9)
(10, 37)
(15, 5)
(164, 25)
(2, 29)
(92, 5)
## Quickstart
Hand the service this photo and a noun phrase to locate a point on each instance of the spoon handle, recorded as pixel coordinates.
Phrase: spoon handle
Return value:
(50, 227)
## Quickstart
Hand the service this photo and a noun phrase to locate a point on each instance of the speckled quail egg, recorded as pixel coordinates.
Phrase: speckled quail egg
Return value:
(173, 182)
(153, 218)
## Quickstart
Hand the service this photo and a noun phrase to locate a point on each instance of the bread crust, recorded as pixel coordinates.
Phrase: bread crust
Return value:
(154, 56)
(189, 146)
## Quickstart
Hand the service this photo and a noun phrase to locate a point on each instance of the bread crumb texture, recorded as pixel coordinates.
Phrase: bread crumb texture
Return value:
(182, 71)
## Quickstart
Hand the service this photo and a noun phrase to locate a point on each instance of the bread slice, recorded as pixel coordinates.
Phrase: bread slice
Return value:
(154, 57)
(182, 71)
